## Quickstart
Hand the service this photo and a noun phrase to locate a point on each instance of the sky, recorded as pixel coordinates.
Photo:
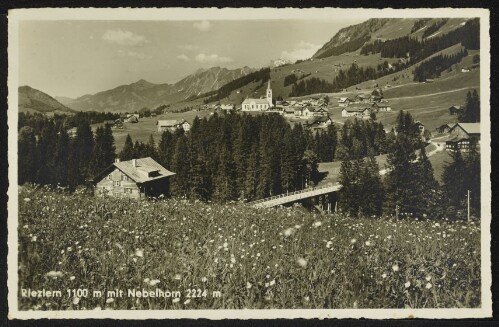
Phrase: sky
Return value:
(74, 58)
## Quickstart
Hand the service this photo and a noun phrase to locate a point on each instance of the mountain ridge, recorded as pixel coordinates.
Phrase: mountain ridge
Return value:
(142, 93)
(31, 99)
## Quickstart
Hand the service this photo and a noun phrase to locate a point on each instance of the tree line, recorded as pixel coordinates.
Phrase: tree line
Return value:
(52, 157)
(310, 86)
(233, 157)
(434, 66)
(468, 35)
(410, 188)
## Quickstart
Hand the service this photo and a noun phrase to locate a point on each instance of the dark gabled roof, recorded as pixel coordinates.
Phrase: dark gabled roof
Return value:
(140, 172)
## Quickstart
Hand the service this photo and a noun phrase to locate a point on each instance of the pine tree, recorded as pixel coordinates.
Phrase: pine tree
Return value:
(400, 190)
(26, 156)
(454, 182)
(127, 151)
(371, 192)
(427, 186)
(61, 158)
(473, 177)
(45, 154)
(471, 110)
(252, 178)
(151, 148)
(180, 182)
(84, 144)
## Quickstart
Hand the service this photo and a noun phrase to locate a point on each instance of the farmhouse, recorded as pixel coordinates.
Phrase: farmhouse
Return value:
(133, 179)
(445, 128)
(362, 112)
(362, 98)
(461, 135)
(381, 107)
(455, 110)
(172, 125)
(227, 107)
(344, 102)
(319, 122)
(131, 118)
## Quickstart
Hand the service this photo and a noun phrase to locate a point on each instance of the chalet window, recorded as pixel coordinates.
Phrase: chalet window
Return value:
(128, 190)
(109, 177)
(117, 183)
(124, 177)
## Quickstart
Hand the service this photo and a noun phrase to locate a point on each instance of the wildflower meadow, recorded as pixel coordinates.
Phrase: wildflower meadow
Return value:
(195, 255)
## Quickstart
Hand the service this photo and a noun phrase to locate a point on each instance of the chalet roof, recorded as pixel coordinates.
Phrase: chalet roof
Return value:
(139, 173)
(470, 128)
(256, 101)
(455, 107)
(341, 100)
(318, 120)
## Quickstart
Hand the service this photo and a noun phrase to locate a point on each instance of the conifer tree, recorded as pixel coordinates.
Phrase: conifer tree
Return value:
(83, 148)
(427, 186)
(127, 151)
(62, 158)
(180, 182)
(473, 177)
(45, 154)
(26, 156)
(471, 110)
(371, 190)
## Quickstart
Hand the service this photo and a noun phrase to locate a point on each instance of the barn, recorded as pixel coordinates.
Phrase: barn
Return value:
(133, 179)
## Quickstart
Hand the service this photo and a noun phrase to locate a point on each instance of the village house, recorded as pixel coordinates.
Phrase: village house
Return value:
(445, 128)
(361, 112)
(172, 125)
(288, 112)
(465, 70)
(455, 110)
(132, 118)
(227, 107)
(380, 107)
(362, 98)
(319, 122)
(420, 126)
(258, 104)
(344, 102)
(461, 135)
(133, 179)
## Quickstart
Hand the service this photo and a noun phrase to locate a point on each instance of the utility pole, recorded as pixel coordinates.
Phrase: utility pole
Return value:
(468, 205)
(397, 212)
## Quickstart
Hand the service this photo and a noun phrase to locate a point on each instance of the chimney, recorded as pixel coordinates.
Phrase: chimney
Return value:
(134, 162)
(116, 160)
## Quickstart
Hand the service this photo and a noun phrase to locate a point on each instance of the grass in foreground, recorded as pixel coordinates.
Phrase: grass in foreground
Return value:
(255, 258)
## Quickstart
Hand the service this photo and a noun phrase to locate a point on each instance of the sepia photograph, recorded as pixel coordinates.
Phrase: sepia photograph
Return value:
(249, 163)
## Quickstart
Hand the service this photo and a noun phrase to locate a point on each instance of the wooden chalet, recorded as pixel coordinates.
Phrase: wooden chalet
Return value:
(461, 135)
(455, 110)
(133, 179)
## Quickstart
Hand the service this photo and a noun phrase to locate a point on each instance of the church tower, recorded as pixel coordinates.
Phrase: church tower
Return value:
(269, 95)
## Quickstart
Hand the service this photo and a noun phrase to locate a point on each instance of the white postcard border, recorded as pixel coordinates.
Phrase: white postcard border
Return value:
(17, 15)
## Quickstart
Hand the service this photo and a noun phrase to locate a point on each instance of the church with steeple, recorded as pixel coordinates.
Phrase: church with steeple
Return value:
(259, 104)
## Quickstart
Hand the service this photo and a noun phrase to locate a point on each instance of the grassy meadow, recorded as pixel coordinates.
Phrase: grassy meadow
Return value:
(242, 257)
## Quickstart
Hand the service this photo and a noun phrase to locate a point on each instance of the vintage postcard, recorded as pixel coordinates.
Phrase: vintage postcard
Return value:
(249, 163)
